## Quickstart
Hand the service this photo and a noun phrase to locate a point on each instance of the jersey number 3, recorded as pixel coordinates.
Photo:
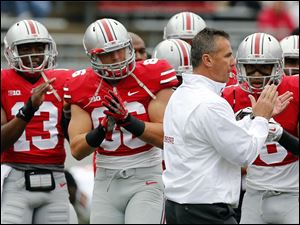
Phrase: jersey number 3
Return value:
(49, 125)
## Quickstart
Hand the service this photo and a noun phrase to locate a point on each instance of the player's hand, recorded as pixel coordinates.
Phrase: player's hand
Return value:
(115, 106)
(108, 123)
(275, 131)
(282, 102)
(38, 93)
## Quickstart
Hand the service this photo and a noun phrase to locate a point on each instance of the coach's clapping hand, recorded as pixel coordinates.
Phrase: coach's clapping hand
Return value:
(264, 105)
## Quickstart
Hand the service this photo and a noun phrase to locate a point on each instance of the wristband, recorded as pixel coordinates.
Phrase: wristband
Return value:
(27, 111)
(67, 113)
(134, 125)
(289, 142)
(95, 137)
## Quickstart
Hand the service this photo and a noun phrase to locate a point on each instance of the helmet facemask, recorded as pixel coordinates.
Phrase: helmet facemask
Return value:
(29, 34)
(114, 71)
(290, 48)
(18, 62)
(41, 67)
(256, 84)
(291, 65)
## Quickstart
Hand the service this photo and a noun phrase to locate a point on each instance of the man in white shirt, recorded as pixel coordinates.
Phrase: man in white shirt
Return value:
(204, 145)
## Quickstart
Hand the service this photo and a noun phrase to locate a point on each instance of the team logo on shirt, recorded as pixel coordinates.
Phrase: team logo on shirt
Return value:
(14, 92)
(95, 99)
(49, 92)
(132, 93)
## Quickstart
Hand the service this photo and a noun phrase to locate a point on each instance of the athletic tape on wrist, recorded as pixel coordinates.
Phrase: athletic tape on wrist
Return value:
(27, 111)
(134, 125)
(95, 137)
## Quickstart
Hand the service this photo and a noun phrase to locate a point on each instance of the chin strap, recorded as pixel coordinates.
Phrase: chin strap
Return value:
(142, 85)
(95, 94)
(51, 87)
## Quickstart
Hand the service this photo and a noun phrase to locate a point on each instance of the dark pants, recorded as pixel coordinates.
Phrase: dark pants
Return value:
(217, 213)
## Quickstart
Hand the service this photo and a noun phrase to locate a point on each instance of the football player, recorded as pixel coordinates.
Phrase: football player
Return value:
(272, 181)
(140, 54)
(139, 47)
(117, 108)
(290, 48)
(32, 138)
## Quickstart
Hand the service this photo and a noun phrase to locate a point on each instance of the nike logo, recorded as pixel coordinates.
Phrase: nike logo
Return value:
(150, 182)
(22, 114)
(49, 92)
(63, 184)
(132, 93)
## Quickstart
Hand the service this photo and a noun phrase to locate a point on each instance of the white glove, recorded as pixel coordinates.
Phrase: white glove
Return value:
(242, 113)
(275, 131)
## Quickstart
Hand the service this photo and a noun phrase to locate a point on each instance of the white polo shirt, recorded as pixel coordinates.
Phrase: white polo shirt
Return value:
(204, 145)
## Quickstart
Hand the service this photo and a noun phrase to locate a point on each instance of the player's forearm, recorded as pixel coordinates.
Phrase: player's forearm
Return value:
(153, 134)
(11, 132)
(149, 132)
(80, 148)
(65, 124)
(289, 142)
